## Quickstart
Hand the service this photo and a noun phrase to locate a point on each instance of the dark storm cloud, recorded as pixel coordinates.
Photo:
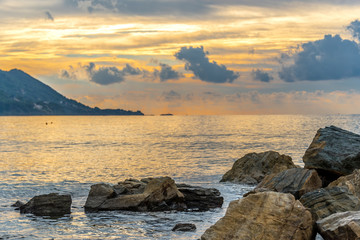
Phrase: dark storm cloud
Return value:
(199, 64)
(49, 16)
(354, 28)
(261, 76)
(325, 59)
(166, 73)
(102, 75)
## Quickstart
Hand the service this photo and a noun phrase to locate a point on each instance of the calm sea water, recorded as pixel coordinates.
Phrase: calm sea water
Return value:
(69, 154)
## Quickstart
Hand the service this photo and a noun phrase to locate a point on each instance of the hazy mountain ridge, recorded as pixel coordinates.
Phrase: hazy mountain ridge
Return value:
(21, 94)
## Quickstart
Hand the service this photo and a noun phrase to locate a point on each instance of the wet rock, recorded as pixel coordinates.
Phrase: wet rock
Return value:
(351, 182)
(263, 216)
(296, 181)
(17, 205)
(152, 194)
(184, 227)
(333, 150)
(160, 194)
(324, 202)
(53, 205)
(344, 225)
(201, 199)
(252, 168)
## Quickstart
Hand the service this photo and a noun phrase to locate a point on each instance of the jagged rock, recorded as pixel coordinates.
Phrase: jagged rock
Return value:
(53, 205)
(324, 202)
(351, 182)
(184, 227)
(252, 168)
(263, 216)
(159, 194)
(333, 150)
(344, 225)
(202, 199)
(98, 194)
(296, 181)
(17, 205)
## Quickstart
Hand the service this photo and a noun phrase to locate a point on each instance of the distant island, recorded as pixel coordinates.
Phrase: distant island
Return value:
(167, 114)
(23, 95)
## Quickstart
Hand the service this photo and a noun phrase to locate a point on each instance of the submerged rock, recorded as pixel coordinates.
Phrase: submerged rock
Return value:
(53, 205)
(184, 227)
(252, 168)
(263, 216)
(296, 181)
(345, 225)
(151, 194)
(324, 202)
(333, 150)
(351, 182)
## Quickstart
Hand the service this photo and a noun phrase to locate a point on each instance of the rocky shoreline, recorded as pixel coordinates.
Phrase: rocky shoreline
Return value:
(287, 202)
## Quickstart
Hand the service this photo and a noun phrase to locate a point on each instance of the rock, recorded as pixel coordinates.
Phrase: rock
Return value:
(53, 205)
(184, 227)
(296, 181)
(17, 205)
(344, 225)
(201, 199)
(252, 168)
(263, 216)
(152, 194)
(351, 182)
(324, 202)
(333, 150)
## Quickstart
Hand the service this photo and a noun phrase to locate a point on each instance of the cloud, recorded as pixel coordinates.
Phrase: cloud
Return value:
(171, 96)
(166, 73)
(49, 16)
(354, 28)
(261, 76)
(101, 75)
(199, 64)
(331, 58)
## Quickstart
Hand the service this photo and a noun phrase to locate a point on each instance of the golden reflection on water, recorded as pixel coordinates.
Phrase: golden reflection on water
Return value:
(112, 148)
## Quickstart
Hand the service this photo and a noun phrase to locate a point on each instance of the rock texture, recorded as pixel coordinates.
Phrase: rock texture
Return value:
(334, 150)
(345, 225)
(184, 227)
(201, 199)
(324, 202)
(296, 181)
(351, 182)
(53, 205)
(151, 194)
(263, 216)
(252, 168)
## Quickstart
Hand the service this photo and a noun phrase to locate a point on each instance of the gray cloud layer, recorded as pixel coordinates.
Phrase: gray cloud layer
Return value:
(354, 28)
(49, 16)
(199, 64)
(325, 59)
(166, 73)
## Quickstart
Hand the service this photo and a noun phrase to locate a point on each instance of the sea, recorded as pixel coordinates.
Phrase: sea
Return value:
(68, 154)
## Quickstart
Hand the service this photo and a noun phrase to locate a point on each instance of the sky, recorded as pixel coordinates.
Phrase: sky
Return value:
(190, 57)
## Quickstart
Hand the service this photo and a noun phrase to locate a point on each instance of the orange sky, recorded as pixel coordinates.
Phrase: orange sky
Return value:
(81, 48)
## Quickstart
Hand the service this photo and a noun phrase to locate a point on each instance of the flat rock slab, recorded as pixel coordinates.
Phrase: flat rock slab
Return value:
(296, 181)
(345, 225)
(184, 227)
(334, 150)
(351, 182)
(324, 202)
(53, 205)
(263, 216)
(253, 167)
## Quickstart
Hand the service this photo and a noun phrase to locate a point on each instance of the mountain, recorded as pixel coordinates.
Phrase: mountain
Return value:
(21, 94)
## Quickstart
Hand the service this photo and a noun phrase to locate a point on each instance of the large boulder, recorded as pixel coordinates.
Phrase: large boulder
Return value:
(351, 182)
(199, 198)
(296, 181)
(252, 168)
(53, 205)
(324, 202)
(345, 225)
(151, 194)
(333, 151)
(263, 216)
